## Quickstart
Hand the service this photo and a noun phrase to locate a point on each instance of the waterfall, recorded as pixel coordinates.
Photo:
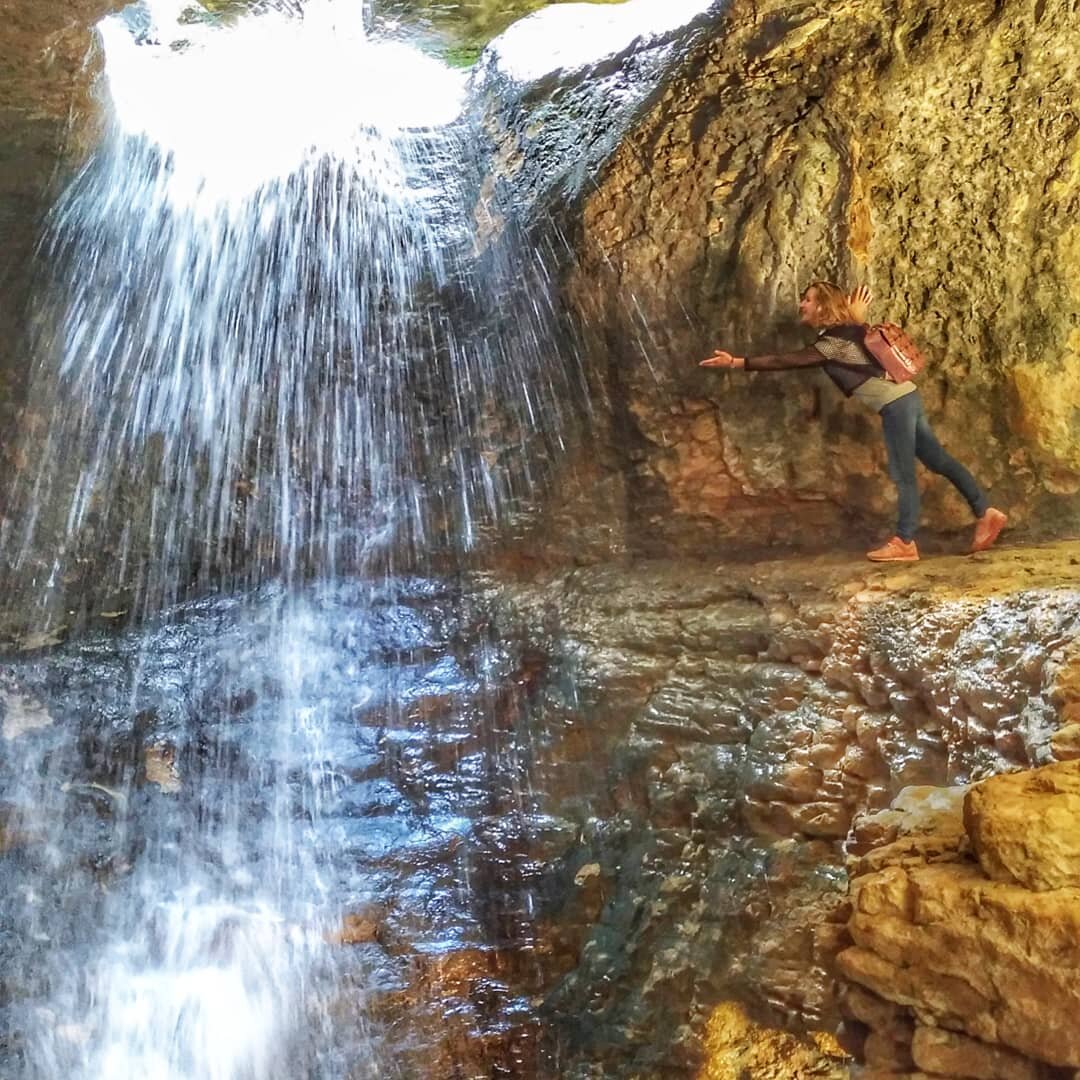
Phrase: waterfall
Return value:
(275, 379)
(266, 345)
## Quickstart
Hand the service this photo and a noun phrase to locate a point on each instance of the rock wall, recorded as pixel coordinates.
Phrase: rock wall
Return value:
(931, 151)
(48, 64)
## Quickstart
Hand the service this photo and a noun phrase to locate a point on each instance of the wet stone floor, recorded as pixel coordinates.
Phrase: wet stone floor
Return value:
(329, 816)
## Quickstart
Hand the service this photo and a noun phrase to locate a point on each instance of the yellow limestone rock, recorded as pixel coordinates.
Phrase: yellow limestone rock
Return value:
(993, 960)
(737, 1048)
(1065, 742)
(1025, 827)
(923, 824)
(1047, 400)
(944, 1053)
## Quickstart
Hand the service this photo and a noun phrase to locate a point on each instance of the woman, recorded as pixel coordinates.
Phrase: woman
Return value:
(839, 349)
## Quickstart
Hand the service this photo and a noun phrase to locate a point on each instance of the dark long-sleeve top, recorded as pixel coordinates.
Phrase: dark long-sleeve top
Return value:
(839, 350)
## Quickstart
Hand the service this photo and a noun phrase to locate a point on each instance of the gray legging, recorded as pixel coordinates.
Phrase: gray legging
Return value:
(908, 436)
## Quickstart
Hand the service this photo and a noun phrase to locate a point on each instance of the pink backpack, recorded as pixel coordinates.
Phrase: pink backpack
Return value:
(895, 352)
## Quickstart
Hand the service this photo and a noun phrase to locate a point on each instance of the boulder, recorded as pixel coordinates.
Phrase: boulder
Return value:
(993, 960)
(1025, 827)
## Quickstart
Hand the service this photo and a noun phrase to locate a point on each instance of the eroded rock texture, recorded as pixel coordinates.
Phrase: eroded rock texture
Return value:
(927, 149)
(589, 826)
(737, 1047)
(738, 721)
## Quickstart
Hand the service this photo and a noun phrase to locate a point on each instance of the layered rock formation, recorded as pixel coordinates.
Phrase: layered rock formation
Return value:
(612, 844)
(965, 960)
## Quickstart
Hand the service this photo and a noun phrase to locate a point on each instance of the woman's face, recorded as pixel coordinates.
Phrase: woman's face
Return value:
(809, 310)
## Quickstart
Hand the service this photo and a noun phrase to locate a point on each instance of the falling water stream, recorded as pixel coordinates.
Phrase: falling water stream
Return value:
(276, 379)
(267, 344)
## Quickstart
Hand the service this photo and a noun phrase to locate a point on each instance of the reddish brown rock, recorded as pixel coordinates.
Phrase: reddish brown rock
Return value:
(883, 1016)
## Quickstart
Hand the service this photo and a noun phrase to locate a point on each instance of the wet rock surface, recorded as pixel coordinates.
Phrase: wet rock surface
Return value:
(742, 717)
(47, 116)
(556, 855)
(356, 767)
(554, 825)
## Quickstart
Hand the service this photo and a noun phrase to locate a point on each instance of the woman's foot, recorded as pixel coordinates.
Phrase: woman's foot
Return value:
(895, 550)
(988, 529)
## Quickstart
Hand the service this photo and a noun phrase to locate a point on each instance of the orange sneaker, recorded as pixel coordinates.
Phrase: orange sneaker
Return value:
(988, 529)
(895, 550)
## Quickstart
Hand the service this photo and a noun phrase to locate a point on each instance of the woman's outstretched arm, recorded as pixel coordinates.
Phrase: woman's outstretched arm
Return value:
(767, 362)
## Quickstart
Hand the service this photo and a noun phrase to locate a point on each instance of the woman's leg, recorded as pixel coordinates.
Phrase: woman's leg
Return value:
(937, 459)
(899, 421)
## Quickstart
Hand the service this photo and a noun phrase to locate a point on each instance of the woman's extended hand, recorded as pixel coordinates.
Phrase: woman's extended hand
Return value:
(722, 359)
(859, 302)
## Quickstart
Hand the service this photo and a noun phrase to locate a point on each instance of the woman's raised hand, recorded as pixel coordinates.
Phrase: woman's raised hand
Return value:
(722, 359)
(859, 301)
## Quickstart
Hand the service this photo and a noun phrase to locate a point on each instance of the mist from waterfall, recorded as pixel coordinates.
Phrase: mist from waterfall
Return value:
(270, 358)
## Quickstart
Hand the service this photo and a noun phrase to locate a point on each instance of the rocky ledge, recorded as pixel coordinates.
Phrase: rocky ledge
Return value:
(728, 728)
(655, 781)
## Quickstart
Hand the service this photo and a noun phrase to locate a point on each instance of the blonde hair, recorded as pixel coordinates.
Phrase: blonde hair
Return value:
(832, 303)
